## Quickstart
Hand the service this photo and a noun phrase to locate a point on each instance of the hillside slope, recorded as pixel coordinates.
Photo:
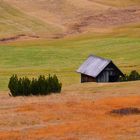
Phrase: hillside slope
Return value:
(118, 3)
(65, 17)
(13, 22)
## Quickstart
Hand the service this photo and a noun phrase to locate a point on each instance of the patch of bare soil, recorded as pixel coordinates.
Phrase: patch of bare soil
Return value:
(108, 18)
(18, 37)
(126, 111)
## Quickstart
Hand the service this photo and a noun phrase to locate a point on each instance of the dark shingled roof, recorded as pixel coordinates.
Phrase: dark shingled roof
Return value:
(93, 66)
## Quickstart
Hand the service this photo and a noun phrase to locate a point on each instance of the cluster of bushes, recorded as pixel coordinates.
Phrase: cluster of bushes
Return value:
(37, 86)
(133, 76)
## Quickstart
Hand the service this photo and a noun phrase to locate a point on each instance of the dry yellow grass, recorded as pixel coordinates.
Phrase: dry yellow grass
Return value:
(79, 16)
(81, 114)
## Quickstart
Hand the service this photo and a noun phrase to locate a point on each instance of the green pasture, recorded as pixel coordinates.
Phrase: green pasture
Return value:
(63, 57)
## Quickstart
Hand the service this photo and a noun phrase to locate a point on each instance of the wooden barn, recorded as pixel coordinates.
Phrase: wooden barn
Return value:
(98, 69)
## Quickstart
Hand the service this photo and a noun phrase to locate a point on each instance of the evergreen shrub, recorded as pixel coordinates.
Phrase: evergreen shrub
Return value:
(133, 76)
(37, 86)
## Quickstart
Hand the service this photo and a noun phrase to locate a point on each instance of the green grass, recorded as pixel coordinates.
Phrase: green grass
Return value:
(63, 57)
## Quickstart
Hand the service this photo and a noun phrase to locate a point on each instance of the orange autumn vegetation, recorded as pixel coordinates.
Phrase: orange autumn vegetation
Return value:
(72, 116)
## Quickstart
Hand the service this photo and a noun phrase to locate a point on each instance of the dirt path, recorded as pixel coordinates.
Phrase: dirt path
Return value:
(18, 37)
(107, 19)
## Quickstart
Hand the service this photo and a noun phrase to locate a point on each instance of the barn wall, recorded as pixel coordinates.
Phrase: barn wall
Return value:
(86, 78)
(110, 74)
(104, 77)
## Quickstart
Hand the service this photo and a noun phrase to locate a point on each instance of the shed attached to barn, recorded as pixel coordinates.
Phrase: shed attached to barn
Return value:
(98, 69)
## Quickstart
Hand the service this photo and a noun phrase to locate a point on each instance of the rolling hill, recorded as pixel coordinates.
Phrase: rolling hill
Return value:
(15, 22)
(65, 17)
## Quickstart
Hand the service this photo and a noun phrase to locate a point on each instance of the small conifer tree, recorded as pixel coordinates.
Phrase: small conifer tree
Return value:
(133, 76)
(40, 86)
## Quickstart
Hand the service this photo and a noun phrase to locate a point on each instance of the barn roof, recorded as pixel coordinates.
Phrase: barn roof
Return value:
(93, 66)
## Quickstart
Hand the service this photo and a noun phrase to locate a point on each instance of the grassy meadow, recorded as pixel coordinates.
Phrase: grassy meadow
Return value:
(42, 37)
(64, 56)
